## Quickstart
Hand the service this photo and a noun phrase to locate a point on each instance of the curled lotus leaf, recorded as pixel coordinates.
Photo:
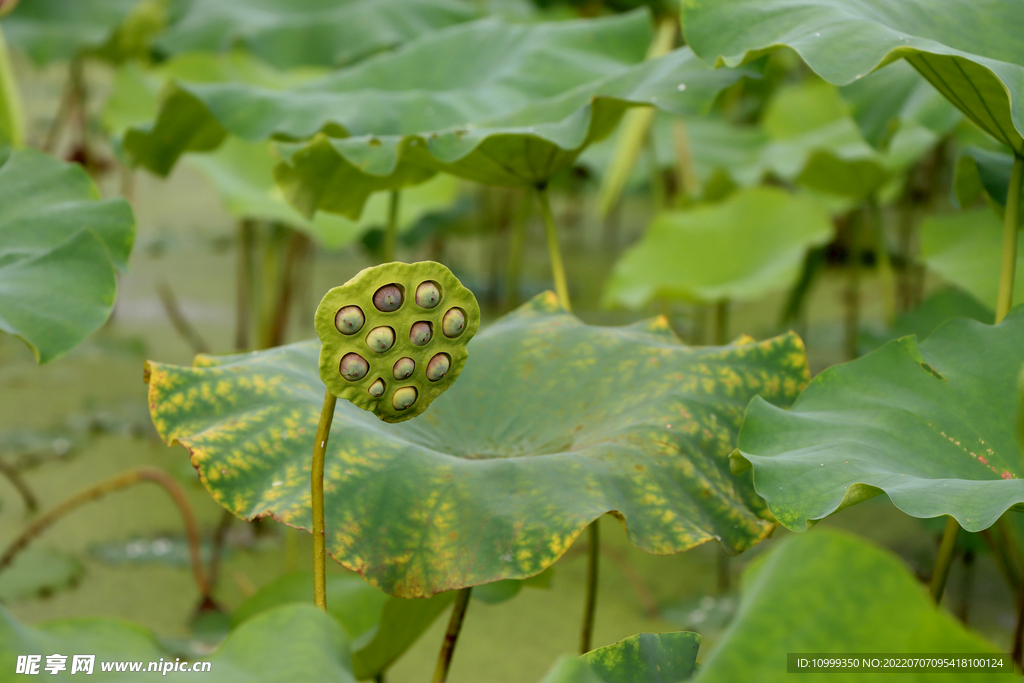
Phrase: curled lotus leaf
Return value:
(384, 294)
(933, 425)
(970, 50)
(553, 424)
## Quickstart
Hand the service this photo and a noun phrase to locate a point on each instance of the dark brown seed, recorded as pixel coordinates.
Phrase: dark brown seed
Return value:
(380, 339)
(404, 367)
(421, 333)
(388, 298)
(404, 398)
(454, 322)
(353, 367)
(349, 319)
(428, 294)
(438, 366)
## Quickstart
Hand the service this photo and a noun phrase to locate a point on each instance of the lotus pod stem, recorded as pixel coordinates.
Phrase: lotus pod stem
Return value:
(945, 559)
(323, 431)
(1010, 221)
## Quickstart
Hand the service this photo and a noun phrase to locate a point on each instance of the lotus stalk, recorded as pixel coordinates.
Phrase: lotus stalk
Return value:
(1010, 221)
(12, 124)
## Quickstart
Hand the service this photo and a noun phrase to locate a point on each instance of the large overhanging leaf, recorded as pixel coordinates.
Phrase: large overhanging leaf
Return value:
(970, 50)
(242, 172)
(753, 242)
(289, 643)
(966, 250)
(450, 101)
(290, 33)
(933, 425)
(830, 592)
(60, 247)
(551, 424)
(53, 30)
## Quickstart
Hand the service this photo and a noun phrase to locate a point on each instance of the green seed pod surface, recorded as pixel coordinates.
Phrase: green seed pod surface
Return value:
(399, 343)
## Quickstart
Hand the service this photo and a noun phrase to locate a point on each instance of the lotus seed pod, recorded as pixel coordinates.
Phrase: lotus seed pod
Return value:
(404, 398)
(421, 333)
(407, 327)
(388, 298)
(404, 367)
(438, 366)
(380, 339)
(428, 294)
(349, 319)
(454, 323)
(353, 367)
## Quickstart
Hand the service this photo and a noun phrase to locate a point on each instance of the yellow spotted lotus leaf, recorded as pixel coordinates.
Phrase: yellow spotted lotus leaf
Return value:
(552, 424)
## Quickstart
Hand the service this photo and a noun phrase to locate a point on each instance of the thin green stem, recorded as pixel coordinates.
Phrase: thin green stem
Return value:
(1010, 220)
(323, 431)
(883, 264)
(12, 123)
(451, 636)
(590, 605)
(243, 295)
(722, 322)
(517, 245)
(945, 558)
(557, 268)
(853, 284)
(391, 233)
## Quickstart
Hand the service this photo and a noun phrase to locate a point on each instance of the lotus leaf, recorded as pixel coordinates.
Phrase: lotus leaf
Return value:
(932, 425)
(487, 113)
(379, 627)
(765, 231)
(290, 33)
(832, 592)
(55, 30)
(939, 307)
(646, 658)
(970, 50)
(60, 247)
(552, 424)
(290, 643)
(966, 249)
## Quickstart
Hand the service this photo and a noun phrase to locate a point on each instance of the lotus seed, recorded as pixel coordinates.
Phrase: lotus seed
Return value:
(353, 367)
(404, 367)
(377, 388)
(380, 339)
(428, 294)
(404, 398)
(438, 366)
(454, 322)
(349, 319)
(388, 298)
(421, 333)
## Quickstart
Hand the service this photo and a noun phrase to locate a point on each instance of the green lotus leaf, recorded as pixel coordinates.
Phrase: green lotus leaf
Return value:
(646, 658)
(56, 30)
(449, 101)
(290, 643)
(38, 573)
(405, 346)
(965, 248)
(887, 102)
(939, 307)
(765, 232)
(827, 592)
(970, 51)
(290, 33)
(552, 424)
(931, 424)
(379, 627)
(60, 247)
(242, 172)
